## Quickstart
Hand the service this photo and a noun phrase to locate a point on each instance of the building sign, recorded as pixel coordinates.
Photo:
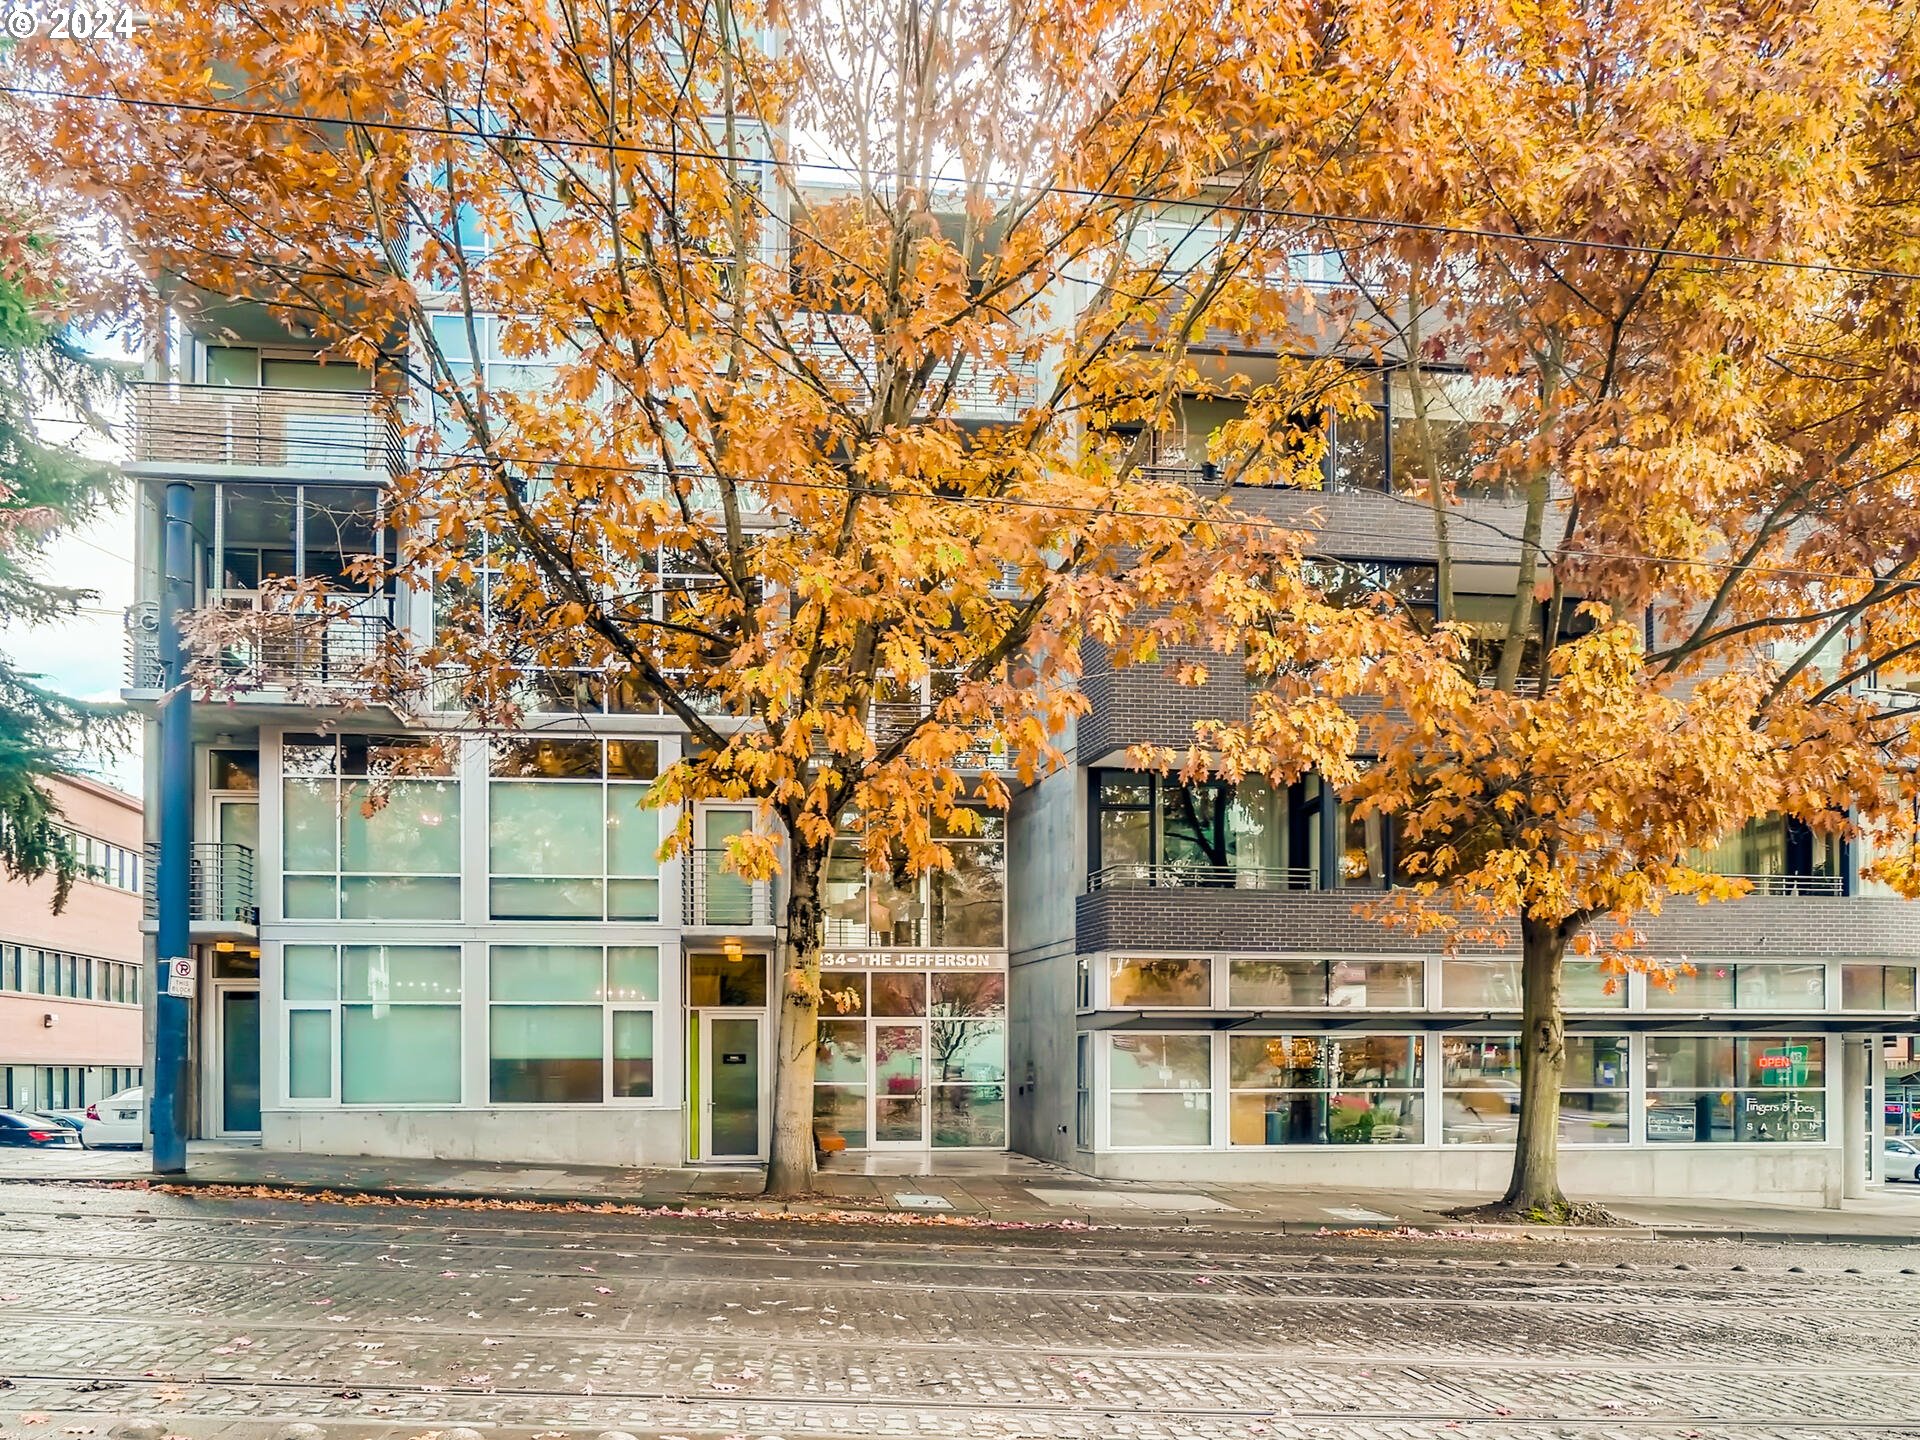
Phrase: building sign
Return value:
(1781, 1117)
(1784, 1065)
(180, 978)
(914, 959)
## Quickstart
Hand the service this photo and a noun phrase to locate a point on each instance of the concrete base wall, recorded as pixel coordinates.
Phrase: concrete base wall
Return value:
(532, 1136)
(1798, 1175)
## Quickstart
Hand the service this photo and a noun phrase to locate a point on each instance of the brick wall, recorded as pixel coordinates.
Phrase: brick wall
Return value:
(1252, 921)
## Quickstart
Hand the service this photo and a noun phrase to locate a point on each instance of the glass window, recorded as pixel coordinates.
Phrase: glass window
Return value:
(899, 992)
(1083, 1090)
(1718, 1088)
(727, 980)
(309, 972)
(384, 847)
(1143, 983)
(969, 1074)
(566, 842)
(970, 993)
(1473, 983)
(309, 1054)
(1481, 1102)
(1591, 985)
(1277, 984)
(1325, 1089)
(1377, 984)
(1160, 1090)
(1877, 987)
(550, 1025)
(843, 992)
(1748, 986)
(400, 1054)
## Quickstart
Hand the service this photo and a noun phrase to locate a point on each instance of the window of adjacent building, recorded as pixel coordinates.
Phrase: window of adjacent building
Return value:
(1140, 982)
(1083, 1090)
(571, 1024)
(571, 834)
(1780, 856)
(1325, 1090)
(1481, 1095)
(1472, 982)
(1718, 1088)
(1159, 1090)
(373, 1024)
(1745, 985)
(1877, 987)
(963, 907)
(1298, 983)
(370, 829)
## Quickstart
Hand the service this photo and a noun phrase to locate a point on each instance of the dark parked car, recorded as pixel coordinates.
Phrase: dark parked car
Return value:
(36, 1131)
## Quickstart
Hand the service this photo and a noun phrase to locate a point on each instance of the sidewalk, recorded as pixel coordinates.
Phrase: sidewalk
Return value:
(998, 1188)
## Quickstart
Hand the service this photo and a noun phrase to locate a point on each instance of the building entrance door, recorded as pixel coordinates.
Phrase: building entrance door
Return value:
(239, 1051)
(733, 1097)
(899, 1051)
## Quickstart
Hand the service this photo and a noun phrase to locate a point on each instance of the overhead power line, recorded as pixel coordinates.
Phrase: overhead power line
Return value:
(678, 152)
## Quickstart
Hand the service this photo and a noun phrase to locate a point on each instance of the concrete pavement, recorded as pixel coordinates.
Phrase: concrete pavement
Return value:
(978, 1189)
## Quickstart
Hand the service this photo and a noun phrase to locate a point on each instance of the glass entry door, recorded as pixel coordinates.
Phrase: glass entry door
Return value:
(239, 1061)
(733, 1108)
(899, 1052)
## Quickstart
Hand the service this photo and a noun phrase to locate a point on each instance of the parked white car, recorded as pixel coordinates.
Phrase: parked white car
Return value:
(1901, 1160)
(117, 1120)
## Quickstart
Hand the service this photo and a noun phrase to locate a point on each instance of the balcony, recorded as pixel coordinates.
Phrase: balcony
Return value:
(715, 898)
(1214, 877)
(221, 903)
(888, 720)
(215, 430)
(1793, 884)
(270, 650)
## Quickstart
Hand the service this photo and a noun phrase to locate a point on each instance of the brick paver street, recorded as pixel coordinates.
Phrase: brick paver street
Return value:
(224, 1316)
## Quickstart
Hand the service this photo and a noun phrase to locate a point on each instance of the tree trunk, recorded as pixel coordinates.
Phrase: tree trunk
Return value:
(797, 1030)
(1543, 1061)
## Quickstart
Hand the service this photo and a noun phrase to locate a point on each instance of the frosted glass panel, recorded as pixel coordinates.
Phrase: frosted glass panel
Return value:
(309, 1054)
(539, 828)
(400, 972)
(546, 972)
(544, 899)
(633, 834)
(546, 1054)
(412, 827)
(400, 1054)
(399, 897)
(308, 972)
(309, 825)
(633, 972)
(633, 899)
(632, 1054)
(311, 897)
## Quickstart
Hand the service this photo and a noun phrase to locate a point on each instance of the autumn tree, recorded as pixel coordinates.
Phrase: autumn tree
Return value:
(1652, 361)
(851, 322)
(46, 485)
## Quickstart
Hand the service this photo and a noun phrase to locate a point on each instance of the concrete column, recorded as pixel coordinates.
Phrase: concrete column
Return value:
(1855, 1071)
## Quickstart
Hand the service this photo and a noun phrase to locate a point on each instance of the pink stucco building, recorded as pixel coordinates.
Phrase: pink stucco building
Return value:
(71, 985)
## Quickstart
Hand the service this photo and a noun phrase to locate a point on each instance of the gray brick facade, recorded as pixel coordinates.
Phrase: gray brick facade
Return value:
(1255, 921)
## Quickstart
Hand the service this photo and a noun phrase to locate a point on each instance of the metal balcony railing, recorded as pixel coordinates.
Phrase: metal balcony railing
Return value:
(324, 431)
(1214, 877)
(843, 353)
(220, 887)
(1793, 884)
(270, 649)
(715, 898)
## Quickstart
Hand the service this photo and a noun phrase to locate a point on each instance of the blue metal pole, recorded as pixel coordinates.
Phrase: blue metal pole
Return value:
(171, 1091)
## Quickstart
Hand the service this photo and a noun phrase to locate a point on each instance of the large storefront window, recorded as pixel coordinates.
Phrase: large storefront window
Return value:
(912, 1058)
(371, 829)
(570, 832)
(1160, 1090)
(1155, 830)
(571, 1024)
(1154, 984)
(1483, 983)
(1746, 985)
(1758, 1088)
(1325, 1089)
(1877, 987)
(961, 908)
(1290, 984)
(391, 1013)
(1481, 1101)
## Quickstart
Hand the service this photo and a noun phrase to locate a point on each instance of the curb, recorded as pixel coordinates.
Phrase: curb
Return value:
(1078, 1221)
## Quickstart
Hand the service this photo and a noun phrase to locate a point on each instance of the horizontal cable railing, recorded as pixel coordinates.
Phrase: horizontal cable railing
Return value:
(716, 898)
(317, 430)
(1216, 877)
(1792, 884)
(220, 884)
(274, 650)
